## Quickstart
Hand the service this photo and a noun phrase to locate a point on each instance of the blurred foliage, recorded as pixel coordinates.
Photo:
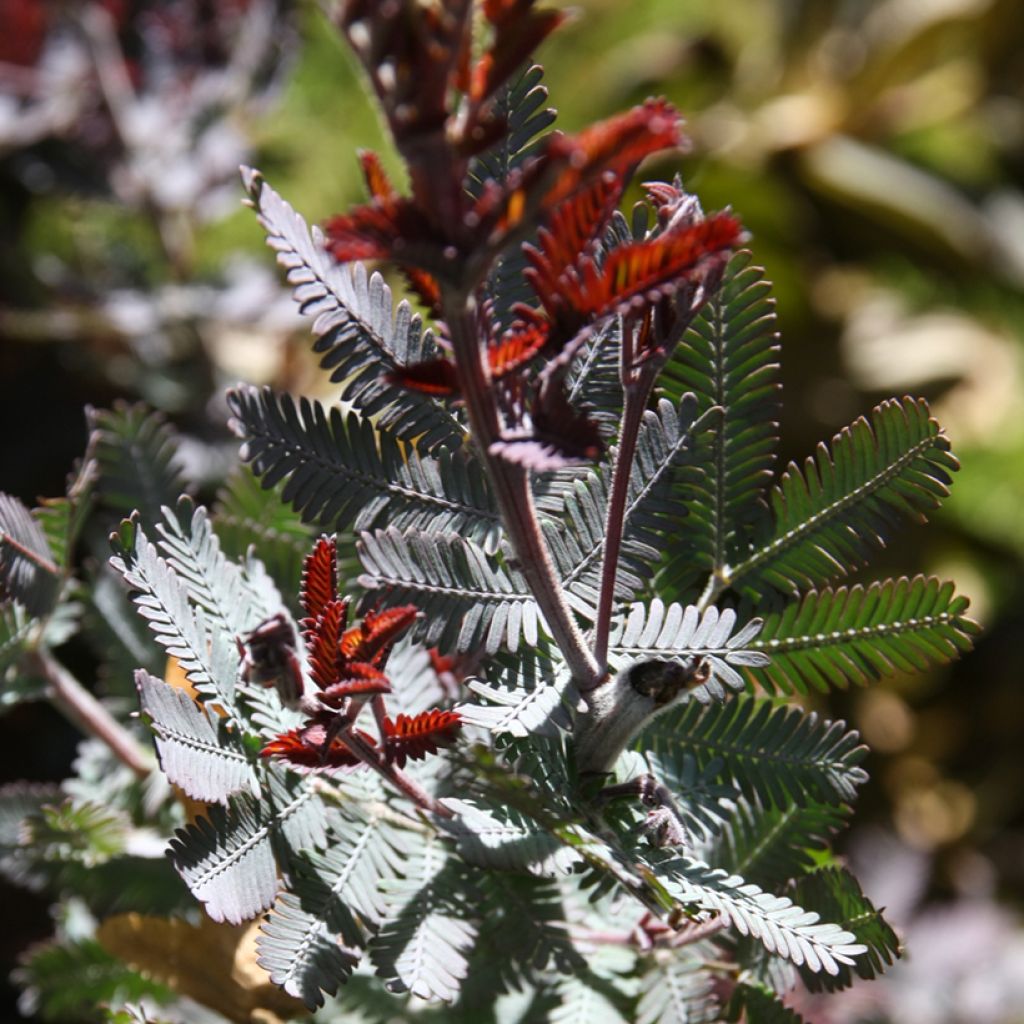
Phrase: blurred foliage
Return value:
(875, 151)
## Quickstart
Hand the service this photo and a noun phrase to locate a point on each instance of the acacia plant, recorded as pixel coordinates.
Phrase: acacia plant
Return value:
(533, 757)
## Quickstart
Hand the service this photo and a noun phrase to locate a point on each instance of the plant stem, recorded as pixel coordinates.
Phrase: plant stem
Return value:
(412, 789)
(635, 394)
(511, 485)
(81, 708)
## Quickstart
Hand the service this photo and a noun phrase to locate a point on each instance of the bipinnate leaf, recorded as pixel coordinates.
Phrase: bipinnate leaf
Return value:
(783, 928)
(467, 598)
(776, 754)
(359, 336)
(136, 454)
(15, 628)
(245, 514)
(753, 1003)
(675, 989)
(771, 845)
(659, 631)
(197, 752)
(504, 838)
(208, 657)
(346, 473)
(838, 895)
(28, 573)
(227, 859)
(423, 944)
(313, 939)
(859, 634)
(729, 362)
(848, 500)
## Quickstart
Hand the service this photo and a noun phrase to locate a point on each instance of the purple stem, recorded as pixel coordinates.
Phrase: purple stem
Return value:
(512, 491)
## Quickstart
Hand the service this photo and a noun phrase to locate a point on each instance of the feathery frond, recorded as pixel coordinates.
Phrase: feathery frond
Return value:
(837, 893)
(729, 360)
(15, 629)
(136, 454)
(227, 858)
(359, 336)
(496, 836)
(348, 473)
(197, 753)
(655, 631)
(246, 513)
(776, 754)
(422, 945)
(675, 989)
(782, 926)
(467, 599)
(206, 654)
(771, 845)
(857, 634)
(848, 501)
(28, 573)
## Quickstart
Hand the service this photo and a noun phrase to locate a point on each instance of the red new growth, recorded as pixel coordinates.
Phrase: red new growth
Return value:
(418, 735)
(347, 667)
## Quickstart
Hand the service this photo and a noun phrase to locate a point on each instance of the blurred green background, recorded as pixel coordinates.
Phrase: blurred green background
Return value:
(875, 151)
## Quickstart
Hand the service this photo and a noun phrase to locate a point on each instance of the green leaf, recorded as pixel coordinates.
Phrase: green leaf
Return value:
(658, 632)
(837, 894)
(136, 454)
(770, 845)
(849, 501)
(775, 754)
(344, 472)
(359, 336)
(729, 360)
(856, 635)
(75, 833)
(68, 982)
(759, 1006)
(15, 629)
(494, 836)
(204, 649)
(247, 514)
(675, 989)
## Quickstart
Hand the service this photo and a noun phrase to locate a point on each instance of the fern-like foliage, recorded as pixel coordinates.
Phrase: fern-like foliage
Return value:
(136, 454)
(839, 895)
(729, 361)
(28, 573)
(247, 514)
(775, 754)
(829, 518)
(783, 927)
(859, 634)
(422, 947)
(228, 858)
(207, 654)
(467, 598)
(682, 634)
(359, 336)
(771, 845)
(343, 473)
(675, 989)
(206, 760)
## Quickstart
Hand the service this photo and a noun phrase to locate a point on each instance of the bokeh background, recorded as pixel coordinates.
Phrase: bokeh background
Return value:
(874, 149)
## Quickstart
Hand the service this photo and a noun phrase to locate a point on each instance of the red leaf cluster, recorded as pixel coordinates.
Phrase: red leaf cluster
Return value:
(347, 665)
